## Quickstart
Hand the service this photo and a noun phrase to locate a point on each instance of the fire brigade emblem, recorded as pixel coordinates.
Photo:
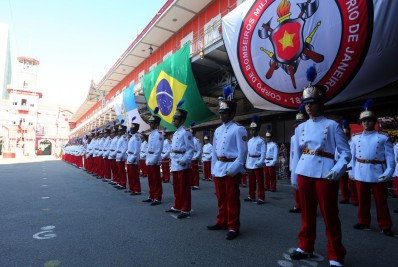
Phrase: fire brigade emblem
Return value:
(280, 39)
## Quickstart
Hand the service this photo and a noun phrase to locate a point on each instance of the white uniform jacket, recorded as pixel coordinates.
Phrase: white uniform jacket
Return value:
(374, 147)
(112, 149)
(121, 148)
(396, 160)
(197, 146)
(271, 156)
(144, 150)
(155, 148)
(319, 135)
(133, 150)
(166, 150)
(207, 152)
(256, 149)
(229, 150)
(182, 149)
(106, 147)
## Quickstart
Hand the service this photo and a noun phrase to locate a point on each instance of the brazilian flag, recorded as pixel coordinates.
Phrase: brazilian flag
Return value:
(171, 82)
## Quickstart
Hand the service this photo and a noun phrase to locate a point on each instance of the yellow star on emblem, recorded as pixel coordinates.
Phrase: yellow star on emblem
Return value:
(287, 40)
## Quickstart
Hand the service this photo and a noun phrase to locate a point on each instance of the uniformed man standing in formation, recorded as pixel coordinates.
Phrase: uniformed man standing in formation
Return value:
(166, 156)
(195, 159)
(301, 117)
(228, 161)
(133, 159)
(271, 158)
(153, 160)
(121, 156)
(105, 154)
(206, 157)
(395, 175)
(182, 150)
(143, 152)
(347, 185)
(255, 162)
(112, 154)
(373, 163)
(316, 175)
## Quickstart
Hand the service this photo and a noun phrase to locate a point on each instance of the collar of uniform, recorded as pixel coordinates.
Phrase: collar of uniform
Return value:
(181, 128)
(370, 132)
(317, 119)
(227, 124)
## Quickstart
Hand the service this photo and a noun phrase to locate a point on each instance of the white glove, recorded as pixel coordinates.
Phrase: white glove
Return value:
(227, 173)
(332, 175)
(295, 186)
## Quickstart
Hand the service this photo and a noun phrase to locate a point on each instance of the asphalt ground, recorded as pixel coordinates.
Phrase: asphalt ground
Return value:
(53, 214)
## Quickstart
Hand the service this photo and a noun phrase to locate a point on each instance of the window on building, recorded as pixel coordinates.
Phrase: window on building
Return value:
(25, 84)
(32, 105)
(14, 103)
(23, 102)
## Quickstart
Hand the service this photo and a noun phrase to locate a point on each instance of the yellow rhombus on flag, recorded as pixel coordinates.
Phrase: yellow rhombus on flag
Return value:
(178, 90)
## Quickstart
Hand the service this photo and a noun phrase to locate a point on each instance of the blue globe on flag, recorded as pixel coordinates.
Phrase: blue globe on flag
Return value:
(164, 97)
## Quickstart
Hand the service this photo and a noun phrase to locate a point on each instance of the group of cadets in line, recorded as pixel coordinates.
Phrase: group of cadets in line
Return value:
(323, 158)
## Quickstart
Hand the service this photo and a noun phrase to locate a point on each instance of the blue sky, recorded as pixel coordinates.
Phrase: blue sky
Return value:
(74, 40)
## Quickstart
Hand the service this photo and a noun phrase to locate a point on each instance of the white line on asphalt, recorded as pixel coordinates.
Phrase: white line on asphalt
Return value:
(44, 197)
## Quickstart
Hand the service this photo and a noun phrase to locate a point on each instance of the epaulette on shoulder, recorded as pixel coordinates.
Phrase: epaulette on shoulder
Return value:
(237, 123)
(356, 134)
(385, 134)
(262, 138)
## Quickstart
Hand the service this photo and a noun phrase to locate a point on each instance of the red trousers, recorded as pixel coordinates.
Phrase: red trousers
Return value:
(195, 172)
(380, 194)
(297, 199)
(182, 190)
(79, 161)
(243, 179)
(395, 186)
(313, 191)
(115, 171)
(89, 164)
(207, 170)
(345, 195)
(166, 170)
(133, 173)
(353, 191)
(155, 182)
(256, 176)
(227, 191)
(121, 168)
(270, 178)
(143, 168)
(100, 164)
(107, 168)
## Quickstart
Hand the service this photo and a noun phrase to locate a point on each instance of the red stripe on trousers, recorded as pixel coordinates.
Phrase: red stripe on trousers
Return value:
(122, 178)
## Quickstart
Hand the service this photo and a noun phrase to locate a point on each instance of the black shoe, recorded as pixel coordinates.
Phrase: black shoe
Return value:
(272, 190)
(173, 210)
(195, 188)
(135, 193)
(105, 180)
(360, 226)
(121, 188)
(183, 215)
(294, 210)
(215, 227)
(248, 199)
(297, 255)
(232, 235)
(387, 233)
(344, 202)
(260, 202)
(155, 203)
(147, 200)
(127, 191)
